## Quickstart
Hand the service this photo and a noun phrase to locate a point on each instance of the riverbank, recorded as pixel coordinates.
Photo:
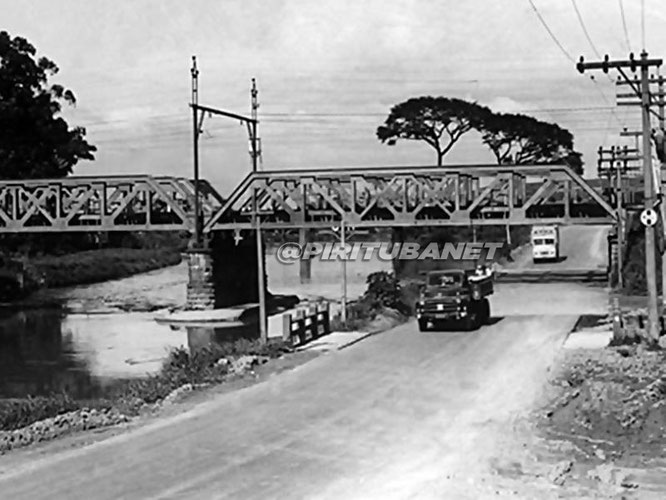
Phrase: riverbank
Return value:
(24, 421)
(96, 266)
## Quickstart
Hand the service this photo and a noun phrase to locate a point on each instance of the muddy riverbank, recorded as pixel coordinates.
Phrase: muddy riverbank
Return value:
(85, 339)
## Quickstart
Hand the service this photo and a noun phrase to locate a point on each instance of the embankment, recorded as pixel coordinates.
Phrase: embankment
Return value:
(94, 266)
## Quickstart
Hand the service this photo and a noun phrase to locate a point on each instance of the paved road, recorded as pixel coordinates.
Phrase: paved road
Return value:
(387, 418)
(582, 247)
(400, 415)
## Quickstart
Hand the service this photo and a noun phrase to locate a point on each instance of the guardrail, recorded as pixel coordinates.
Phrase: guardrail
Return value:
(306, 324)
(546, 276)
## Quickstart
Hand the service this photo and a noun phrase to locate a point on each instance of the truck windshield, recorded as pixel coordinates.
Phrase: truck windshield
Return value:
(444, 280)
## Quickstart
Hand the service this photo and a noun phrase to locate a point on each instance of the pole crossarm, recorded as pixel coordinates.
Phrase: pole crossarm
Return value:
(214, 111)
(606, 64)
(408, 196)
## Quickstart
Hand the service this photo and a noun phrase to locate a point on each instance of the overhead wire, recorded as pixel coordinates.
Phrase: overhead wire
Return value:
(552, 35)
(559, 44)
(643, 22)
(624, 26)
(582, 25)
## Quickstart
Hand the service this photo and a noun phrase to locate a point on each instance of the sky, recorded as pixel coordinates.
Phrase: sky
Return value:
(328, 73)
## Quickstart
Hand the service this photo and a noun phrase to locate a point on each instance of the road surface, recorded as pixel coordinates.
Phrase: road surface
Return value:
(581, 248)
(400, 415)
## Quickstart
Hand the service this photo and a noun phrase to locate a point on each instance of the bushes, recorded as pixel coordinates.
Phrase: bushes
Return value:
(633, 272)
(18, 413)
(384, 291)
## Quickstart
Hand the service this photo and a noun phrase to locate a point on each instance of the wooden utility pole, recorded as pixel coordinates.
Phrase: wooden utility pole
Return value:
(658, 175)
(644, 64)
(617, 159)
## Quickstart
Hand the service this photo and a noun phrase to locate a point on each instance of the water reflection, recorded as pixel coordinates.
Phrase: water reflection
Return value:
(46, 350)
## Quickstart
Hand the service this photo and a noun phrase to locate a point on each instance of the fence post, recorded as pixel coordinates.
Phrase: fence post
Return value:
(286, 327)
(309, 322)
(618, 332)
(326, 319)
(300, 326)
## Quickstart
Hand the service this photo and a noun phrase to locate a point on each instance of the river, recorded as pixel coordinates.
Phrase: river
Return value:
(85, 339)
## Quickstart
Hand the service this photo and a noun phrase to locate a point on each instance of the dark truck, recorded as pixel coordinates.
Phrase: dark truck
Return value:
(455, 296)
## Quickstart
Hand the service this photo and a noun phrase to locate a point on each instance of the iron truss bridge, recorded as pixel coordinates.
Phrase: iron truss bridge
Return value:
(361, 197)
(115, 203)
(413, 196)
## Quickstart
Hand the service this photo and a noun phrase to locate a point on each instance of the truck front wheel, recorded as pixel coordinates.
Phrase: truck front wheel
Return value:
(485, 312)
(423, 325)
(473, 319)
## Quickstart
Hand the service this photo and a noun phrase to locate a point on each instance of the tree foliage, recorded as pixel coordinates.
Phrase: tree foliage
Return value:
(438, 121)
(517, 139)
(34, 141)
(513, 138)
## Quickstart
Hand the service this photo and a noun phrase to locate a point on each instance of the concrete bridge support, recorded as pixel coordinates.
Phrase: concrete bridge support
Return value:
(224, 272)
(305, 270)
(613, 257)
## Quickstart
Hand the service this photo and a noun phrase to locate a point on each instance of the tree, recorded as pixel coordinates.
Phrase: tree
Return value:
(34, 141)
(438, 121)
(517, 139)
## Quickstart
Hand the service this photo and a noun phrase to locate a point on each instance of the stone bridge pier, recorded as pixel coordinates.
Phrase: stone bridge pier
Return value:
(223, 272)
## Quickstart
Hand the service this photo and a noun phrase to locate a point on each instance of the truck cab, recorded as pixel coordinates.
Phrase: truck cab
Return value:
(455, 296)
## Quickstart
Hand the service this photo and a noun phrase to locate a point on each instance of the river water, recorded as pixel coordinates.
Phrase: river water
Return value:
(83, 340)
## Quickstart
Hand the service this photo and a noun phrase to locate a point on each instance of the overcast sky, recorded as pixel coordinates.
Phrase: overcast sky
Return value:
(328, 73)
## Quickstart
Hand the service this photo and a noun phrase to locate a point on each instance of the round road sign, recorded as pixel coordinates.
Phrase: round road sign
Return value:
(648, 217)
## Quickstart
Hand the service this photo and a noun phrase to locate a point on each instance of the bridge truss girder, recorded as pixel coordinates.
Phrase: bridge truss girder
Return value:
(413, 196)
(363, 198)
(117, 203)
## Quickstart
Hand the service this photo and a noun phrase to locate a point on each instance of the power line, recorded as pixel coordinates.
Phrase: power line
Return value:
(582, 25)
(624, 26)
(643, 22)
(552, 35)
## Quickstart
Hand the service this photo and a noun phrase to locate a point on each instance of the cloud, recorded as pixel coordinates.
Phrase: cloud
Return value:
(504, 104)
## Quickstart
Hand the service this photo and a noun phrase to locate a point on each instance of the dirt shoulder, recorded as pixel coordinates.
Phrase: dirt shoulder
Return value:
(598, 432)
(187, 401)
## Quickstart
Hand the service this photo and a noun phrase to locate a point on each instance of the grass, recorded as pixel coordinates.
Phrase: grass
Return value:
(94, 266)
(180, 368)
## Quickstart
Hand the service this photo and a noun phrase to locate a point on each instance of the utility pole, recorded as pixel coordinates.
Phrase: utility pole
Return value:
(644, 64)
(617, 160)
(658, 172)
(263, 321)
(251, 123)
(343, 242)
(608, 171)
(662, 206)
(196, 128)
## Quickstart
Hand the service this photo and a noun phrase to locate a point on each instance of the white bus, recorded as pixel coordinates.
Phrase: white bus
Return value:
(545, 243)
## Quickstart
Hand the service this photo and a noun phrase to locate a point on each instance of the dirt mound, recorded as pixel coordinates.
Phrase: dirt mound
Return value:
(614, 399)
